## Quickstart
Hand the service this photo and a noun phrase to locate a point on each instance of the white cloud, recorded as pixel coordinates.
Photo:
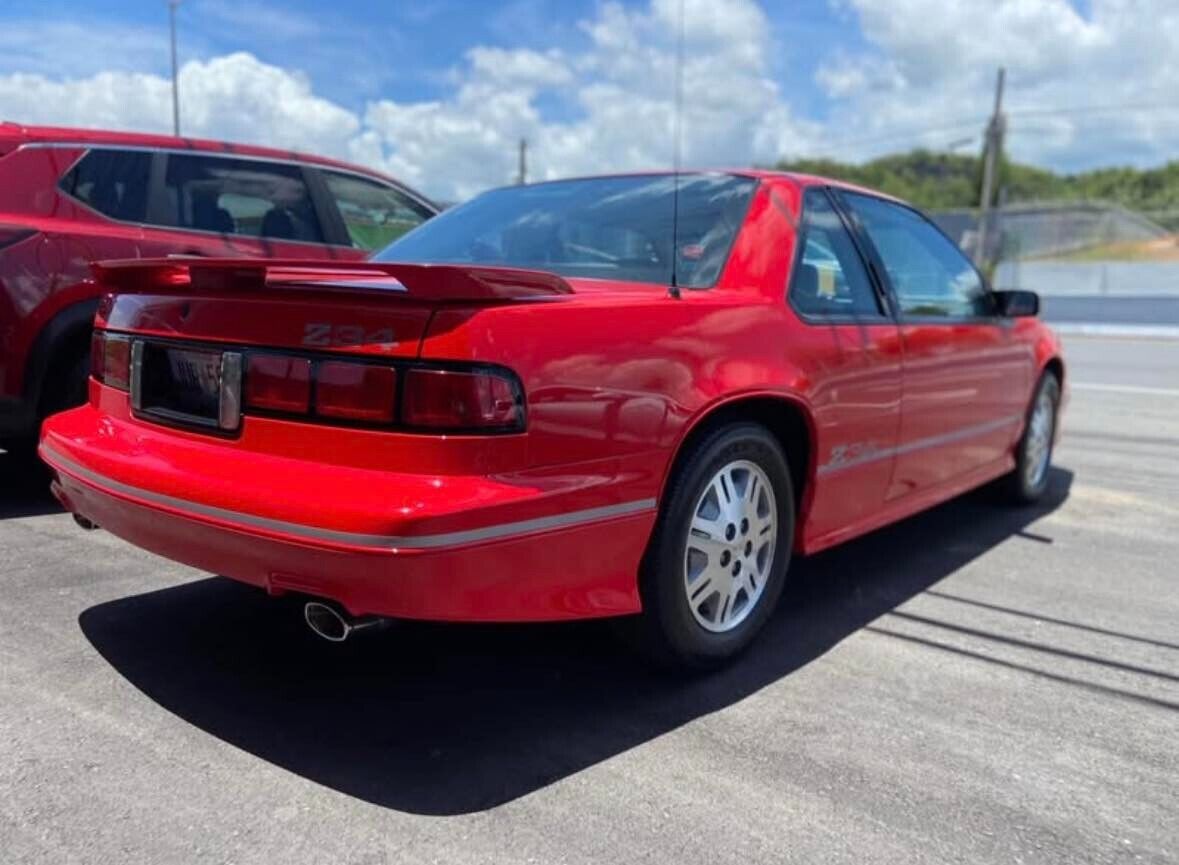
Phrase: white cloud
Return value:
(618, 91)
(522, 67)
(925, 77)
(933, 64)
(622, 86)
(235, 97)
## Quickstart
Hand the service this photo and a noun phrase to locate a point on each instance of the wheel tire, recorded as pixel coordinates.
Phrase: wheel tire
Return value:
(674, 629)
(1033, 453)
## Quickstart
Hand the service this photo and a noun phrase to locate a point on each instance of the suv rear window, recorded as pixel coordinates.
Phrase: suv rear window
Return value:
(113, 182)
(239, 196)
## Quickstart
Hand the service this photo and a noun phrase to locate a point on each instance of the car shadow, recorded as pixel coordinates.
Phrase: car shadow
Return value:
(451, 719)
(24, 487)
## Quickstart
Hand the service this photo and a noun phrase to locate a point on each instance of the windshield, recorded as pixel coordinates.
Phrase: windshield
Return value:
(609, 227)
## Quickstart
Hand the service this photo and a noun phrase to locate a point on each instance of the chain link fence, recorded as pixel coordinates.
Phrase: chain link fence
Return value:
(1091, 262)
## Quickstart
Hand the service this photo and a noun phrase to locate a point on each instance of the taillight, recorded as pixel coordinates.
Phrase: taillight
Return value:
(435, 399)
(355, 391)
(276, 383)
(110, 359)
(450, 399)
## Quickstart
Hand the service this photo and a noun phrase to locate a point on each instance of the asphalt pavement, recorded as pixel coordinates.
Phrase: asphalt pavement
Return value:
(977, 684)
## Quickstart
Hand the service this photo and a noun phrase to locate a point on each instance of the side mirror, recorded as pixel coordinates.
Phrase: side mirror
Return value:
(1016, 303)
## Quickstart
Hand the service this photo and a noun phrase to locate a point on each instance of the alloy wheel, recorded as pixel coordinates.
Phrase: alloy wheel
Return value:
(730, 546)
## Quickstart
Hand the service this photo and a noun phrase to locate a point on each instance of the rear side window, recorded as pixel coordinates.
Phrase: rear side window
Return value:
(831, 278)
(239, 196)
(375, 215)
(930, 275)
(113, 182)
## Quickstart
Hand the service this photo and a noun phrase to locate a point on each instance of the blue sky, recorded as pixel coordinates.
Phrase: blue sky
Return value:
(403, 50)
(439, 91)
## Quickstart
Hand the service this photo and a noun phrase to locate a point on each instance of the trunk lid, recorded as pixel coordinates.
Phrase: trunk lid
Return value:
(374, 308)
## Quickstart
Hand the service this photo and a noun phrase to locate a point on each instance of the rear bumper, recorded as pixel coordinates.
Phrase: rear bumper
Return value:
(568, 562)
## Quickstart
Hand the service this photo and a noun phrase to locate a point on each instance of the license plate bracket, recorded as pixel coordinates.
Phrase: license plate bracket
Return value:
(197, 387)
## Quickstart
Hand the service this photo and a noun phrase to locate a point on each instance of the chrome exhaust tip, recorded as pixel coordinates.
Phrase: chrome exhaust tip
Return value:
(334, 624)
(85, 523)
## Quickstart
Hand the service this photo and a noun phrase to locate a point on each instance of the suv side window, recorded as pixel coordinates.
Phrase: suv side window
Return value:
(830, 278)
(113, 182)
(375, 215)
(239, 196)
(929, 273)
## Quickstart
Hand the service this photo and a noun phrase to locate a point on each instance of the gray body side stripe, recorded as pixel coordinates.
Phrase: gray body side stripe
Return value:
(919, 444)
(488, 533)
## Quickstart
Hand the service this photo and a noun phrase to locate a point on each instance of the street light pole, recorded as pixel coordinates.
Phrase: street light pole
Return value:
(172, 4)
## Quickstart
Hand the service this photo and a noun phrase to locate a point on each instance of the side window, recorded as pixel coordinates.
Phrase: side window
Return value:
(830, 278)
(239, 196)
(113, 182)
(930, 274)
(374, 214)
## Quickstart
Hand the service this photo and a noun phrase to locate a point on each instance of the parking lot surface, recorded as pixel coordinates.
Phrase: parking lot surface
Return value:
(976, 684)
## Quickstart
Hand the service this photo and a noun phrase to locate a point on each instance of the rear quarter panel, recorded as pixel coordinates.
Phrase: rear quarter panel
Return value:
(617, 375)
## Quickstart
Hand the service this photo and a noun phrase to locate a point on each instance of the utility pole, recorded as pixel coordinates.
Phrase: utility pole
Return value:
(992, 151)
(522, 170)
(172, 4)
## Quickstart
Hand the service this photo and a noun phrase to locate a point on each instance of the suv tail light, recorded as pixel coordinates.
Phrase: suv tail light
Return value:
(433, 399)
(110, 359)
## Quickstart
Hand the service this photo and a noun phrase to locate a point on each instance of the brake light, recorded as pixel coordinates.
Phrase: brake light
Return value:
(277, 383)
(110, 359)
(447, 399)
(355, 391)
(432, 398)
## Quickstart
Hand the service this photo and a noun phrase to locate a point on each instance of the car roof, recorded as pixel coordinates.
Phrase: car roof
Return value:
(107, 137)
(805, 180)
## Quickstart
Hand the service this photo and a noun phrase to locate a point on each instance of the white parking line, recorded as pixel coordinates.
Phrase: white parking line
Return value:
(1125, 388)
(1133, 331)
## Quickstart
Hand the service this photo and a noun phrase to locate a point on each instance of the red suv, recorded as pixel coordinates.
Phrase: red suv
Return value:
(69, 197)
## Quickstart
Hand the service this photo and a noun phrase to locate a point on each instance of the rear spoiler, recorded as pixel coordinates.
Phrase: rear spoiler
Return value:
(440, 283)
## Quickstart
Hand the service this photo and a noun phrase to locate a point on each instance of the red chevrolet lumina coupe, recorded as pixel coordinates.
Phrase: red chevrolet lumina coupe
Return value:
(594, 397)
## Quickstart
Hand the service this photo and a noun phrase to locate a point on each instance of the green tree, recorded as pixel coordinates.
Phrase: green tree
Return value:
(936, 181)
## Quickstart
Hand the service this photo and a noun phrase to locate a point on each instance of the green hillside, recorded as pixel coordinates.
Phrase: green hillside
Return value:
(941, 180)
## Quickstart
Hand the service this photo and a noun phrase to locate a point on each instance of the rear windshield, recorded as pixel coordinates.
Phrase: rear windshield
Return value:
(609, 228)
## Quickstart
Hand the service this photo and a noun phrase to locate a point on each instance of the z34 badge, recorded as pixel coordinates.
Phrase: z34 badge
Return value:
(325, 334)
